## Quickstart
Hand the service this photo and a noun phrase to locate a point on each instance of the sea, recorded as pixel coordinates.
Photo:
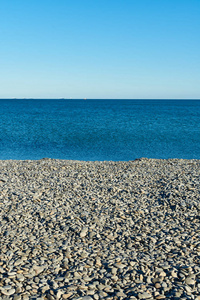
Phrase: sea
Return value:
(99, 130)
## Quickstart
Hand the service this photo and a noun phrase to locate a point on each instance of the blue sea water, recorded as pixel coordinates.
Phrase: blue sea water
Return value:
(99, 129)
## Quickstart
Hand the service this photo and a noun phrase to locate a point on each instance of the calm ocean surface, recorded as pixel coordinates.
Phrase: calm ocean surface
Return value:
(99, 129)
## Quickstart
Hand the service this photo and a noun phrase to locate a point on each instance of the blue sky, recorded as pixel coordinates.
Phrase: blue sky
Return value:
(100, 49)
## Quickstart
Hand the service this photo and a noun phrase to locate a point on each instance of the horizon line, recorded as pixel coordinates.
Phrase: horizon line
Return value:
(63, 98)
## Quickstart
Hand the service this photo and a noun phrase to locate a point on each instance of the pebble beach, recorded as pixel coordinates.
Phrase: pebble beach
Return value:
(100, 230)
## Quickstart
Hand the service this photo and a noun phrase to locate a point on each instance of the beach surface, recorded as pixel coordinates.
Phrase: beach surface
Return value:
(100, 230)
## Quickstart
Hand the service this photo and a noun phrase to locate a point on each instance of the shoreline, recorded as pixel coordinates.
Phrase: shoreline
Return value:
(100, 229)
(119, 161)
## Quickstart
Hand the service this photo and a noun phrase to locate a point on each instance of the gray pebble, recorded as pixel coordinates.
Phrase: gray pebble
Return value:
(99, 230)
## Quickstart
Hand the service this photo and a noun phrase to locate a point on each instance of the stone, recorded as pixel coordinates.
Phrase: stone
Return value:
(144, 295)
(100, 229)
(68, 295)
(7, 292)
(83, 233)
(190, 280)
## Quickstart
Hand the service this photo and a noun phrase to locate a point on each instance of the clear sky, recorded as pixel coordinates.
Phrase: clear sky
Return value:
(100, 49)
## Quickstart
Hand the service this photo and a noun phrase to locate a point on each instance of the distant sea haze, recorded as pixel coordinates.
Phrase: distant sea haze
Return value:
(118, 130)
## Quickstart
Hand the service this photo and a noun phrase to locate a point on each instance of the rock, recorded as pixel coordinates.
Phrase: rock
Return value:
(100, 229)
(121, 294)
(190, 280)
(17, 297)
(144, 295)
(83, 233)
(59, 294)
(120, 265)
(7, 292)
(38, 269)
(66, 296)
